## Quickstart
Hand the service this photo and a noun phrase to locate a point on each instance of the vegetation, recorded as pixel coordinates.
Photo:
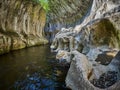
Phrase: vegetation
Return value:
(43, 3)
(105, 34)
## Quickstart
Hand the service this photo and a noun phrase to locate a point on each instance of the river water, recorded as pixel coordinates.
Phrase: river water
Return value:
(32, 68)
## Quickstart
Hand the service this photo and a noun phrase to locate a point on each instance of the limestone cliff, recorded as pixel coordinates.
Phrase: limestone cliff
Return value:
(21, 24)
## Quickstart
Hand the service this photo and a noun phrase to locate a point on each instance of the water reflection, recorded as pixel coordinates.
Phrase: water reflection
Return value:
(33, 68)
(35, 82)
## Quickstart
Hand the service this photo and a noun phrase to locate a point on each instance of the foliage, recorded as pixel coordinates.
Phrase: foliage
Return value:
(44, 4)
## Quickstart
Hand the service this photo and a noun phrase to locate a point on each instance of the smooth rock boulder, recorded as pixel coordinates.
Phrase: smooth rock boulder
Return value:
(82, 71)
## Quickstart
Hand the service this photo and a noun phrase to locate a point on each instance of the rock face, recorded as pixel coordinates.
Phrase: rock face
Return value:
(65, 13)
(69, 10)
(21, 25)
(98, 34)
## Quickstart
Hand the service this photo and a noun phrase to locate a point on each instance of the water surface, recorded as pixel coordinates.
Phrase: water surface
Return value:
(33, 68)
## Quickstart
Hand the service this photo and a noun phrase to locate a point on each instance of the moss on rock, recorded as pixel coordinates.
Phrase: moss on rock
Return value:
(104, 33)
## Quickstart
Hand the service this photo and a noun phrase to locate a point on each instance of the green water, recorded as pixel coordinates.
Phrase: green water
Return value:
(33, 68)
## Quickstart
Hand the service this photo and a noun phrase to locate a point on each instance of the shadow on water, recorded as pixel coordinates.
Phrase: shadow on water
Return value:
(33, 68)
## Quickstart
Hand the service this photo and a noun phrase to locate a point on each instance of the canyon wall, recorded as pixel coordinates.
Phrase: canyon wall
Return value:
(65, 13)
(96, 38)
(21, 24)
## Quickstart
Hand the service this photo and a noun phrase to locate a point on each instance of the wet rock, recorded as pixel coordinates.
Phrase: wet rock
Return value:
(106, 80)
(106, 57)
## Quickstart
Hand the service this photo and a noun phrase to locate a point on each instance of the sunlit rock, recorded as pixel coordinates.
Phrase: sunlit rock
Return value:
(21, 25)
(63, 55)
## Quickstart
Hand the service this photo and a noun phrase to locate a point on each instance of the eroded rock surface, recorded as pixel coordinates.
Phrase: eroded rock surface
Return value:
(97, 34)
(65, 13)
(21, 25)
(82, 70)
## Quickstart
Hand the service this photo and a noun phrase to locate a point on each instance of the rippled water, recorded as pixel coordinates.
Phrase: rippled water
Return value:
(33, 68)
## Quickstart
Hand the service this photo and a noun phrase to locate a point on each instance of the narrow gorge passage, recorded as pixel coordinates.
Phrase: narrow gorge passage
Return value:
(22, 25)
(69, 44)
(33, 68)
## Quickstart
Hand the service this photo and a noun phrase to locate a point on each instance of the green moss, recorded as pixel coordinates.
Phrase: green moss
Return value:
(9, 32)
(43, 3)
(16, 7)
(17, 43)
(105, 34)
(118, 38)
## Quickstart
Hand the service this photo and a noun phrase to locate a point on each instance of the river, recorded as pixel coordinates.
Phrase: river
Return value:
(32, 68)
